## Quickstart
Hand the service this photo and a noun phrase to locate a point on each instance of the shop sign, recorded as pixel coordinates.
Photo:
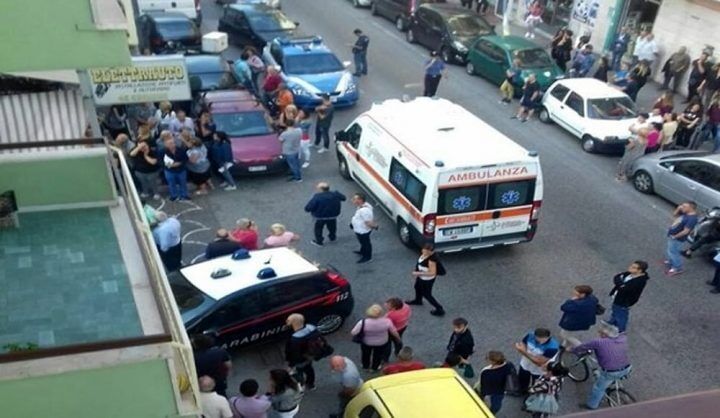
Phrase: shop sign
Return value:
(148, 79)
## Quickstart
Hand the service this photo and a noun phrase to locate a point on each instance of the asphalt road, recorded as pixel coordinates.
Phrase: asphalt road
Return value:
(591, 227)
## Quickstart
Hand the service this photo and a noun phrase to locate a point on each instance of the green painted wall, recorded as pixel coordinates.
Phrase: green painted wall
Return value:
(142, 390)
(56, 34)
(58, 181)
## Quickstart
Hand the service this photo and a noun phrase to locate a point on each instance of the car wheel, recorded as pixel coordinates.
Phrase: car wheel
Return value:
(343, 168)
(643, 182)
(445, 55)
(373, 9)
(544, 116)
(470, 68)
(403, 231)
(330, 323)
(400, 24)
(410, 36)
(588, 143)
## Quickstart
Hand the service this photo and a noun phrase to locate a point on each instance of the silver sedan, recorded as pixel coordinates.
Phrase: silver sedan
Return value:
(680, 176)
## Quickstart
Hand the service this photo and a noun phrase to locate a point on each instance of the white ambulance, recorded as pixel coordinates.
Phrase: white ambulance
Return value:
(443, 175)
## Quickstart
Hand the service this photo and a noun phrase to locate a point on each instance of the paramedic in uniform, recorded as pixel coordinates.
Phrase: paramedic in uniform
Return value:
(363, 223)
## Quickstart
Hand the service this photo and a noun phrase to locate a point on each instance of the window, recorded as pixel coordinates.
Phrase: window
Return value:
(506, 195)
(559, 92)
(468, 25)
(701, 172)
(369, 412)
(276, 54)
(241, 308)
(242, 123)
(611, 108)
(575, 102)
(533, 58)
(492, 51)
(287, 293)
(352, 135)
(312, 64)
(407, 184)
(462, 200)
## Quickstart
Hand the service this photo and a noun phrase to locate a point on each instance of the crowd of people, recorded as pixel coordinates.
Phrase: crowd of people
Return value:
(538, 377)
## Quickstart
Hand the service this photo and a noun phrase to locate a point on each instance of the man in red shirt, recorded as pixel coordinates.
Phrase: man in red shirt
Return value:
(405, 363)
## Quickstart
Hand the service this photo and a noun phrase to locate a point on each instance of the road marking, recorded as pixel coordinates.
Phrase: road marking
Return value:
(194, 231)
(412, 85)
(651, 341)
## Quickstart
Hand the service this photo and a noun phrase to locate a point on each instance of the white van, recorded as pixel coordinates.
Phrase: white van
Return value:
(443, 175)
(190, 8)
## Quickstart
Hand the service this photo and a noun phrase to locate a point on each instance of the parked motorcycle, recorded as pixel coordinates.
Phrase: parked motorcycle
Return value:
(706, 235)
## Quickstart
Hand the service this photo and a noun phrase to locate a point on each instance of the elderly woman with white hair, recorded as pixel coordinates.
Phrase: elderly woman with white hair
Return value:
(373, 333)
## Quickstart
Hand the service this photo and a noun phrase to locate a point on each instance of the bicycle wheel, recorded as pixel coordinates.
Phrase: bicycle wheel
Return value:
(619, 397)
(576, 365)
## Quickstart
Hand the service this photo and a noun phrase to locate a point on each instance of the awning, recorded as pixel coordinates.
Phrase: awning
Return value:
(43, 116)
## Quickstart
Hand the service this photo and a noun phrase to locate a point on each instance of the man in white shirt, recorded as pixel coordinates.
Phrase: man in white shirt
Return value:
(363, 223)
(646, 48)
(180, 122)
(168, 239)
(213, 405)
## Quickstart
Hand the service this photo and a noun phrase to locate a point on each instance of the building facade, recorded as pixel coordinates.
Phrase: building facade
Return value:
(675, 23)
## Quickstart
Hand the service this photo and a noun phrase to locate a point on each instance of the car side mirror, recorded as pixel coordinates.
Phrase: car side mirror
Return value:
(671, 168)
(341, 136)
(347, 64)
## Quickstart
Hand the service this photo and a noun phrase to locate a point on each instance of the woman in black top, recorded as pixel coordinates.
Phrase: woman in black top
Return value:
(146, 168)
(687, 122)
(205, 128)
(602, 71)
(426, 271)
(642, 73)
(493, 379)
(562, 48)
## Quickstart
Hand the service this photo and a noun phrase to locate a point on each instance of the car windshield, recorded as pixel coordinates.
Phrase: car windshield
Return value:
(213, 81)
(242, 123)
(312, 64)
(467, 25)
(271, 21)
(533, 58)
(177, 29)
(611, 108)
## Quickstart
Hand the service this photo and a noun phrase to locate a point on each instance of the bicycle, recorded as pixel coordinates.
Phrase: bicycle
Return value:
(579, 367)
(616, 395)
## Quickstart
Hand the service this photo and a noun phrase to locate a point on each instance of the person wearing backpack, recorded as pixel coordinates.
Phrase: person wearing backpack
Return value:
(297, 353)
(493, 380)
(427, 268)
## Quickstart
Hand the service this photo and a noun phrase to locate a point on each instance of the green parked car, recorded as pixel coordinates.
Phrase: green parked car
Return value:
(490, 57)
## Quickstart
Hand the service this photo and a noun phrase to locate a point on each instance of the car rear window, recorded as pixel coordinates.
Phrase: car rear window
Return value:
(462, 200)
(533, 58)
(177, 29)
(515, 193)
(187, 296)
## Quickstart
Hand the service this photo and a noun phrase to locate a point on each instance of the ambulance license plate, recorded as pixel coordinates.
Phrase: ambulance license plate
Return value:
(458, 231)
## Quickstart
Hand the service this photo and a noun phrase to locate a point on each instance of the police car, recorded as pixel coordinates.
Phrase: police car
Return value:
(311, 69)
(245, 298)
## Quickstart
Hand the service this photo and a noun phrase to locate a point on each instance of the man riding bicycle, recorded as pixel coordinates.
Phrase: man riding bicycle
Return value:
(611, 351)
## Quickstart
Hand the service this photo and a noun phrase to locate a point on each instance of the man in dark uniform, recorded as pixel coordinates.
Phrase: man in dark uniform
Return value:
(359, 51)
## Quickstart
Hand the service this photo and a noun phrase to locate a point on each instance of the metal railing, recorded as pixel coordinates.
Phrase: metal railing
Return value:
(158, 280)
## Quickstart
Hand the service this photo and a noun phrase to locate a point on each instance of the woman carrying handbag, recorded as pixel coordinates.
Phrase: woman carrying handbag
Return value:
(543, 398)
(373, 333)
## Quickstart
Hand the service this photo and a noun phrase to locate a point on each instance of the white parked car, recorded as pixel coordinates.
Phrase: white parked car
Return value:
(595, 112)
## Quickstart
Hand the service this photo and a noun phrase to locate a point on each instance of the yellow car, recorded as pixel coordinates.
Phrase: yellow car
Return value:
(419, 394)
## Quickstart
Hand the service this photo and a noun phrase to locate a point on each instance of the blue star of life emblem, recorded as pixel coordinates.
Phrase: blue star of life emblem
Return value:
(510, 197)
(461, 203)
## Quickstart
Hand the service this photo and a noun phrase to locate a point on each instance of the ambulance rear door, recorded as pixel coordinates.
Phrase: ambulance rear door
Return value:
(486, 206)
